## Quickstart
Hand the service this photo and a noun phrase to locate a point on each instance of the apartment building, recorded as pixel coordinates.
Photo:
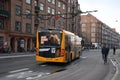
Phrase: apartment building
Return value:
(16, 29)
(96, 33)
(19, 20)
(4, 22)
(57, 14)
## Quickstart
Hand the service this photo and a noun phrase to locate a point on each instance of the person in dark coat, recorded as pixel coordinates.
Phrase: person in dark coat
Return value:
(114, 49)
(105, 51)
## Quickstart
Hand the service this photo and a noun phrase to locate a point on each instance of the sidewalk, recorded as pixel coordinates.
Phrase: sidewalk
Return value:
(17, 54)
(117, 57)
(116, 60)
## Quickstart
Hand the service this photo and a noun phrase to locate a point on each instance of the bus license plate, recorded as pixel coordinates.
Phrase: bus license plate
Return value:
(52, 50)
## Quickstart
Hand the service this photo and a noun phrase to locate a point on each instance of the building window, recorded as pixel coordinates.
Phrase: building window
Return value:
(83, 25)
(83, 34)
(48, 21)
(41, 6)
(78, 21)
(63, 15)
(28, 27)
(93, 24)
(28, 13)
(68, 9)
(92, 39)
(18, 26)
(35, 2)
(63, 25)
(72, 1)
(2, 5)
(59, 23)
(58, 12)
(59, 4)
(85, 20)
(18, 10)
(92, 34)
(92, 29)
(53, 22)
(68, 1)
(53, 1)
(1, 41)
(49, 0)
(28, 1)
(63, 6)
(53, 11)
(1, 23)
(83, 29)
(49, 9)
(91, 20)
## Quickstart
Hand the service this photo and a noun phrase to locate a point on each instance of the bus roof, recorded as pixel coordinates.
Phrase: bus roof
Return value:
(58, 31)
(67, 32)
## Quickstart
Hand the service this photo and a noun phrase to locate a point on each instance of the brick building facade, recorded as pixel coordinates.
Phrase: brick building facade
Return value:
(57, 7)
(17, 28)
(96, 33)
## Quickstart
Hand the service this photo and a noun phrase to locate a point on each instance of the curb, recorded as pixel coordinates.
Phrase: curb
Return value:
(115, 64)
(16, 56)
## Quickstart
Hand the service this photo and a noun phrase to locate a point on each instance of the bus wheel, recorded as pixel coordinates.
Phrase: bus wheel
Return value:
(70, 58)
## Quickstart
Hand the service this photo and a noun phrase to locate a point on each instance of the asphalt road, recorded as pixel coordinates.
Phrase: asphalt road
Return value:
(89, 67)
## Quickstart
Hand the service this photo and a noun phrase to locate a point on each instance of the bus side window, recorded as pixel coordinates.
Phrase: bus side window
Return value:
(67, 42)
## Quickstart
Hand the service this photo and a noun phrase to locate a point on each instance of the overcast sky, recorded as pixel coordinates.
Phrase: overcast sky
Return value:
(108, 11)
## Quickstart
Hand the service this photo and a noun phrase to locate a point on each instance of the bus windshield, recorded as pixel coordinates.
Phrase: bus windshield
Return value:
(50, 38)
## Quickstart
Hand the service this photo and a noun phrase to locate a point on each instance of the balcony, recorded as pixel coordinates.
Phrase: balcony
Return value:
(37, 8)
(4, 13)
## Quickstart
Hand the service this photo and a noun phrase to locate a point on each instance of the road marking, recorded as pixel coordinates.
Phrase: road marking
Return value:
(26, 74)
(84, 57)
(117, 71)
(18, 70)
(43, 65)
(33, 78)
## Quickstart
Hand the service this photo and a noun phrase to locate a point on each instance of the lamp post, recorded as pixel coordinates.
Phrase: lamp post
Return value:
(73, 21)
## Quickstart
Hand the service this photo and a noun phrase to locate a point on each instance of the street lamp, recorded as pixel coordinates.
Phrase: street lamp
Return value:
(73, 21)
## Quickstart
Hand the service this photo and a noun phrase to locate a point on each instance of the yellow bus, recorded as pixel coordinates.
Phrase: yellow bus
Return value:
(54, 45)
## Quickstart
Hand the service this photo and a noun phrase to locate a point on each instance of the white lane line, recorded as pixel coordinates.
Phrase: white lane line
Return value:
(43, 65)
(84, 57)
(116, 67)
(19, 70)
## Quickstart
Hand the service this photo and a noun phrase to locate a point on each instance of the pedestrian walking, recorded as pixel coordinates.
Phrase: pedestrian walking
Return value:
(114, 49)
(105, 51)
